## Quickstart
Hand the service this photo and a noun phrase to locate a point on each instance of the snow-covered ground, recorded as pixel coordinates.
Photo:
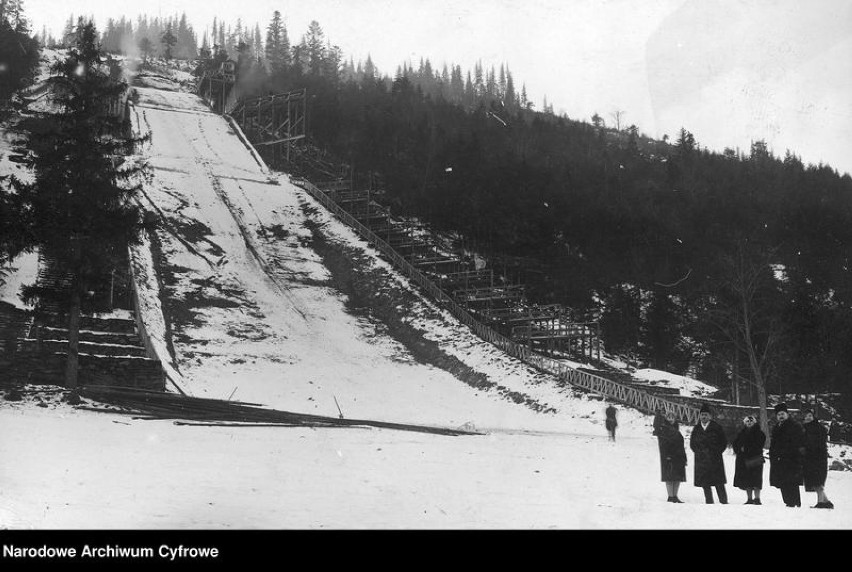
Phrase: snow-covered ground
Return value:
(264, 325)
(74, 469)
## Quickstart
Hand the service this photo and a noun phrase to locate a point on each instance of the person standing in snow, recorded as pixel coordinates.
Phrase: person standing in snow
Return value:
(672, 455)
(708, 442)
(748, 446)
(815, 466)
(611, 422)
(786, 449)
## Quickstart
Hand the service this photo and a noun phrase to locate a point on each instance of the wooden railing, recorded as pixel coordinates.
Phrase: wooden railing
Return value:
(610, 389)
(142, 312)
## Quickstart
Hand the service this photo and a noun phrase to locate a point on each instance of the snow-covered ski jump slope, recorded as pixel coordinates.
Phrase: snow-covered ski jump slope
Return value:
(266, 326)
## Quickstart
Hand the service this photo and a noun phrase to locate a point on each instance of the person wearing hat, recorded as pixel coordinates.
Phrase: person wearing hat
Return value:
(786, 449)
(748, 472)
(708, 442)
(815, 466)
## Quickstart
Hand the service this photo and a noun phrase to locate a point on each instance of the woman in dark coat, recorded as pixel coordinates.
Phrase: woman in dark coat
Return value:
(708, 442)
(672, 455)
(815, 466)
(786, 448)
(748, 446)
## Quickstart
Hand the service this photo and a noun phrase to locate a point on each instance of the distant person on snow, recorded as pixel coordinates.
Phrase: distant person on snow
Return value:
(708, 442)
(672, 455)
(748, 446)
(786, 449)
(815, 468)
(611, 422)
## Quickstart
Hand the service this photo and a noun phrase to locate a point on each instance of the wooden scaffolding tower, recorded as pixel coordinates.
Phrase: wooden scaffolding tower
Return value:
(273, 123)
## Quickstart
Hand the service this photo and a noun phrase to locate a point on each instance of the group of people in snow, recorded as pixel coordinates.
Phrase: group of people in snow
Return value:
(798, 455)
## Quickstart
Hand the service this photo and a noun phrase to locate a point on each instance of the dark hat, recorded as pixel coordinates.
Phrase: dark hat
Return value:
(780, 407)
(809, 410)
(706, 409)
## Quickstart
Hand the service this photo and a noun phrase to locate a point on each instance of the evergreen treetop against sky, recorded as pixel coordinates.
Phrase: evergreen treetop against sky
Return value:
(773, 72)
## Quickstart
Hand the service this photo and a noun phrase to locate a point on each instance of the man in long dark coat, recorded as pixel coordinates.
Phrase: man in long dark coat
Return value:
(786, 450)
(708, 442)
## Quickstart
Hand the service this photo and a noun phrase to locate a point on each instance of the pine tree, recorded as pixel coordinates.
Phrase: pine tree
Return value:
(370, 70)
(490, 85)
(469, 93)
(315, 40)
(510, 99)
(69, 32)
(145, 47)
(168, 40)
(478, 83)
(143, 32)
(187, 47)
(685, 142)
(258, 44)
(277, 45)
(19, 55)
(229, 41)
(78, 207)
(331, 64)
(456, 85)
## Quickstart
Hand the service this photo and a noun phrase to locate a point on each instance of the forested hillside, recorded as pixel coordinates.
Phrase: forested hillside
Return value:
(729, 265)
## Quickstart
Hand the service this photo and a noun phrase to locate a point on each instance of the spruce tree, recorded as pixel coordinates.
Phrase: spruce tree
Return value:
(169, 40)
(78, 207)
(276, 52)
(19, 53)
(315, 47)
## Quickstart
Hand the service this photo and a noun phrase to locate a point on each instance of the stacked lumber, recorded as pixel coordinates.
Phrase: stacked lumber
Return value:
(197, 410)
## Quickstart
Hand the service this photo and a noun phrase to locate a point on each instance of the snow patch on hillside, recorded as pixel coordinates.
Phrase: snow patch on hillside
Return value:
(686, 385)
(23, 271)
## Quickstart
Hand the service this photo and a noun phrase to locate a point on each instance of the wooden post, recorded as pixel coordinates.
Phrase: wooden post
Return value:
(598, 328)
(72, 355)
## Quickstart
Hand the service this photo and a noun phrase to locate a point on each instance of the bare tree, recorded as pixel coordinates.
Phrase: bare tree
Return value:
(617, 116)
(744, 310)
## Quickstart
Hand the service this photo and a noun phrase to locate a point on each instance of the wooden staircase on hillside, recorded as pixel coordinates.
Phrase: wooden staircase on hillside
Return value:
(111, 350)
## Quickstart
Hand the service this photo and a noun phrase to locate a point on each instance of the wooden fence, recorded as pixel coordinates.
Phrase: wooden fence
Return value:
(613, 390)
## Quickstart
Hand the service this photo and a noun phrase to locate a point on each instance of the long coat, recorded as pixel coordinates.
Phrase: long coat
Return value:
(815, 466)
(786, 450)
(748, 444)
(672, 453)
(708, 446)
(611, 422)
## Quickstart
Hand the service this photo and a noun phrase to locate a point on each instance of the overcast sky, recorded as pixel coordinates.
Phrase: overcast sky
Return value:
(729, 71)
